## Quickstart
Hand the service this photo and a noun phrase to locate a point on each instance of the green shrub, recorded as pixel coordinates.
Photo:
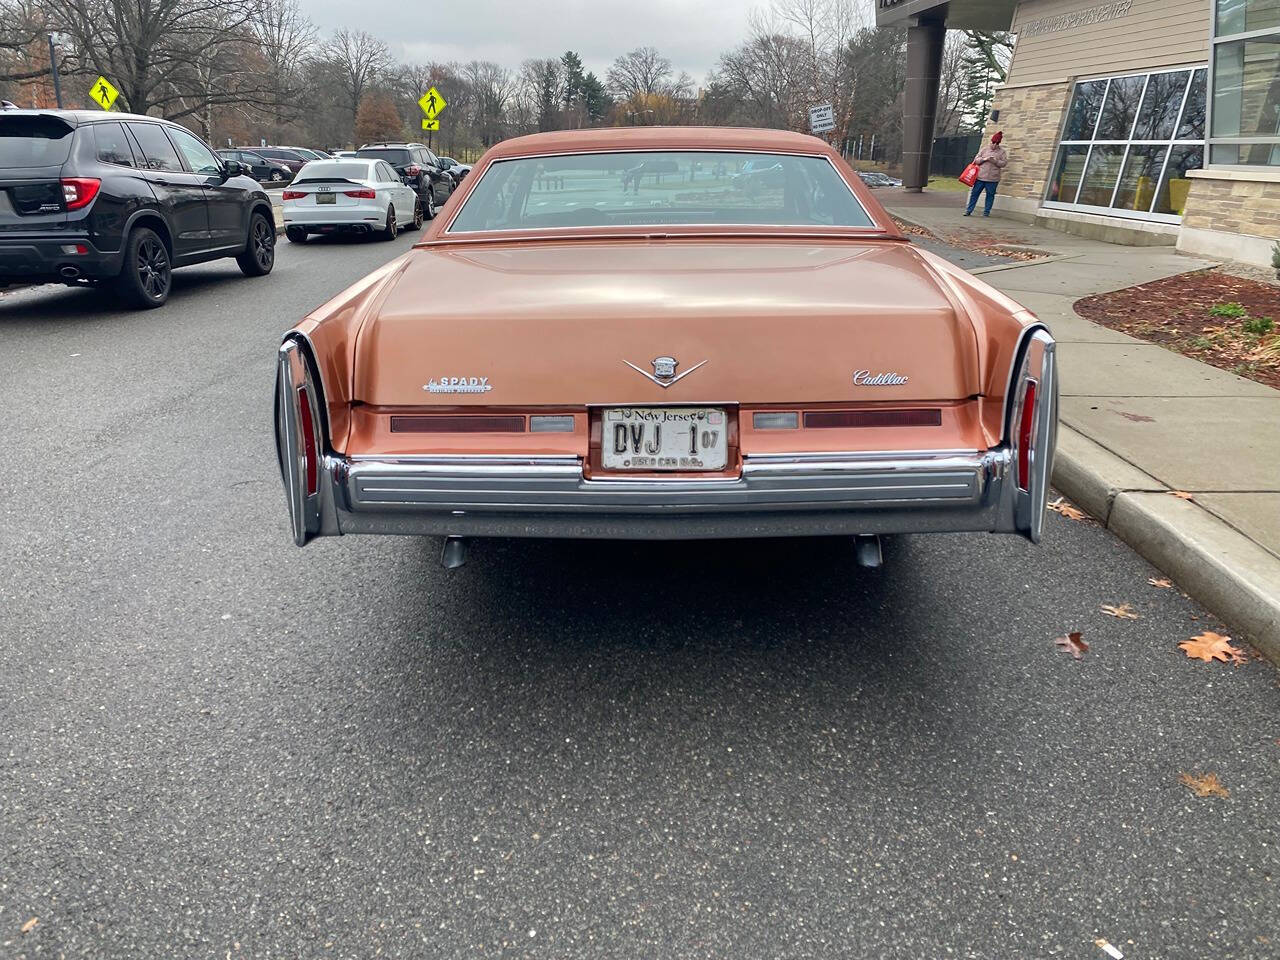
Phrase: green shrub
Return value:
(1258, 325)
(1233, 311)
(1275, 255)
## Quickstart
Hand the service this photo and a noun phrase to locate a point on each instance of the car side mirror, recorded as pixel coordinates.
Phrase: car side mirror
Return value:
(232, 168)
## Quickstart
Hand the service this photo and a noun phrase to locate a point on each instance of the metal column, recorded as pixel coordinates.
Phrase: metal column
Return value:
(924, 65)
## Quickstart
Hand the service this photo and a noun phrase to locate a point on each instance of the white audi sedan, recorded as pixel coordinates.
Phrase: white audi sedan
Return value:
(355, 195)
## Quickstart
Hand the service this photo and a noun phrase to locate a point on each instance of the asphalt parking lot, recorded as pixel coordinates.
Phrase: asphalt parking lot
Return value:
(217, 745)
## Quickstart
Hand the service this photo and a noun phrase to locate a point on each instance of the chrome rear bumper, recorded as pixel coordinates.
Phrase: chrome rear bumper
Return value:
(793, 495)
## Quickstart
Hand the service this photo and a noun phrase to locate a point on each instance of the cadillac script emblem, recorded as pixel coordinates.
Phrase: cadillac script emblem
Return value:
(664, 370)
(458, 385)
(890, 378)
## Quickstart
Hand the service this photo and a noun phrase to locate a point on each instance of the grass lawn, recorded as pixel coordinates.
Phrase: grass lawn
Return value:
(947, 183)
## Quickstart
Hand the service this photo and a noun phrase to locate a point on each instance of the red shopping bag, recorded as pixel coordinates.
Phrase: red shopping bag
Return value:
(970, 175)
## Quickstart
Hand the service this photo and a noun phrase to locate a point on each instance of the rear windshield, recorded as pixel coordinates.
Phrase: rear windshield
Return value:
(333, 170)
(394, 157)
(33, 141)
(660, 188)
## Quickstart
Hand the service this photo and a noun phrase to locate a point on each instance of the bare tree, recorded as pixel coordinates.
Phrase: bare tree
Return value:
(286, 39)
(826, 27)
(951, 85)
(22, 28)
(645, 71)
(491, 87)
(359, 58)
(541, 91)
(766, 73)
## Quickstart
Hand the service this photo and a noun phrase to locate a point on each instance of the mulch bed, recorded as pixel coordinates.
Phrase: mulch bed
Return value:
(1175, 313)
(976, 240)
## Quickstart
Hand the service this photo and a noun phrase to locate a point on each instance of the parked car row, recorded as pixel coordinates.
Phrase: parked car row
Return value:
(381, 188)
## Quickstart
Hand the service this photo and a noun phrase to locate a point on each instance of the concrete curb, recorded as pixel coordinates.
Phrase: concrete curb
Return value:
(1210, 560)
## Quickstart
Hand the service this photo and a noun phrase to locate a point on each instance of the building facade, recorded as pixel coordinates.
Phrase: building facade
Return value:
(1151, 121)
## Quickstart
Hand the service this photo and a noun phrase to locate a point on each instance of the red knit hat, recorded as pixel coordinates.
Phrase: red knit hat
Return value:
(997, 136)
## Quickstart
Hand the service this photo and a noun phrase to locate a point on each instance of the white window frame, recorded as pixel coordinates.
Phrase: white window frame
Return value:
(1169, 144)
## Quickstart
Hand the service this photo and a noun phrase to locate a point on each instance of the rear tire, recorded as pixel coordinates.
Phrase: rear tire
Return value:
(417, 216)
(276, 176)
(260, 247)
(146, 277)
(431, 204)
(391, 230)
(296, 235)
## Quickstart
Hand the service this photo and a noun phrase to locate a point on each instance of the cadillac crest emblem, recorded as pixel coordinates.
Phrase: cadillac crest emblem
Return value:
(664, 370)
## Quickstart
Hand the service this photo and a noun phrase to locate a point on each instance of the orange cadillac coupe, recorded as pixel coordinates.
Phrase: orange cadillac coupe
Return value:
(666, 333)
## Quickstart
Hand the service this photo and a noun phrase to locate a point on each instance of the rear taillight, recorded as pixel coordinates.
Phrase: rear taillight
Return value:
(1024, 435)
(360, 194)
(292, 195)
(412, 170)
(78, 192)
(310, 456)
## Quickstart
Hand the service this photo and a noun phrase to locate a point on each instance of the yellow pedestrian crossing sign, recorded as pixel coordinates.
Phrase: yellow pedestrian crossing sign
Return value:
(103, 93)
(430, 124)
(432, 105)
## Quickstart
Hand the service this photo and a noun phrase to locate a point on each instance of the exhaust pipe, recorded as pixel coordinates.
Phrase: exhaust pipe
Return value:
(454, 553)
(866, 550)
(69, 272)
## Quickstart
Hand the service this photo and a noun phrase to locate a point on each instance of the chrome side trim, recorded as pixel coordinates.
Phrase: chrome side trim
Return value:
(852, 456)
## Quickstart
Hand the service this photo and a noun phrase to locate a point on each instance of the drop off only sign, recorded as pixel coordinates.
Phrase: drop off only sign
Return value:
(822, 118)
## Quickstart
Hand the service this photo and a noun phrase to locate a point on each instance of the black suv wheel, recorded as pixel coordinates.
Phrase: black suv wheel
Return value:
(147, 276)
(260, 249)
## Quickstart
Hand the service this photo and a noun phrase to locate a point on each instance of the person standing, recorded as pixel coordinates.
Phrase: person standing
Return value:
(991, 159)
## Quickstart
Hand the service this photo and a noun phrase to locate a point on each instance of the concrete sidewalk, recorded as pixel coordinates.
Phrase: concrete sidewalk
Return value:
(1140, 421)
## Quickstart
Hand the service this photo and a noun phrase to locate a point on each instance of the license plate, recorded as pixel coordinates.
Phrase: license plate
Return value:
(326, 198)
(664, 438)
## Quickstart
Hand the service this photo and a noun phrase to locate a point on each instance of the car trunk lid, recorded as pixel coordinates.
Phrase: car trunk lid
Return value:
(591, 322)
(33, 149)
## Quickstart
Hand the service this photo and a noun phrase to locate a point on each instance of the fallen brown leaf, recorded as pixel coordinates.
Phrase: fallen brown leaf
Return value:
(30, 925)
(1136, 417)
(1207, 785)
(1182, 494)
(1067, 510)
(1162, 582)
(1122, 612)
(1073, 643)
(1212, 646)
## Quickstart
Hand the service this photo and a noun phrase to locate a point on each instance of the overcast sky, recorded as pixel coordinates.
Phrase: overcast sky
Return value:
(690, 33)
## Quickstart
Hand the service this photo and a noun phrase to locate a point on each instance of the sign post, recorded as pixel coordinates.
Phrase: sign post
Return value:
(432, 104)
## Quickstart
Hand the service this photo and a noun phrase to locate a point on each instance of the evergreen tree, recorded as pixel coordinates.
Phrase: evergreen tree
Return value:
(595, 100)
(573, 80)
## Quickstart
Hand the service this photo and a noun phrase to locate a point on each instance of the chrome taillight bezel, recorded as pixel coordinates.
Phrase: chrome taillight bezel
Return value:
(1034, 372)
(301, 457)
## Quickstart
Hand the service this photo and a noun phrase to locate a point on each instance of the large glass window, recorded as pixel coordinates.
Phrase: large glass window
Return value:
(1129, 141)
(1245, 107)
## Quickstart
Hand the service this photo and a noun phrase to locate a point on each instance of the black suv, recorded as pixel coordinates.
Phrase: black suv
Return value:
(418, 167)
(119, 198)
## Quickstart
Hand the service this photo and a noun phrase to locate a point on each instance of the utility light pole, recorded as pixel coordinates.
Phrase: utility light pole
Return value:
(53, 64)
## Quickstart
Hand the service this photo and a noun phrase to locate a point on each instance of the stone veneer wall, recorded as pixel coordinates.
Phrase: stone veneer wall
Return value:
(1031, 118)
(1234, 206)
